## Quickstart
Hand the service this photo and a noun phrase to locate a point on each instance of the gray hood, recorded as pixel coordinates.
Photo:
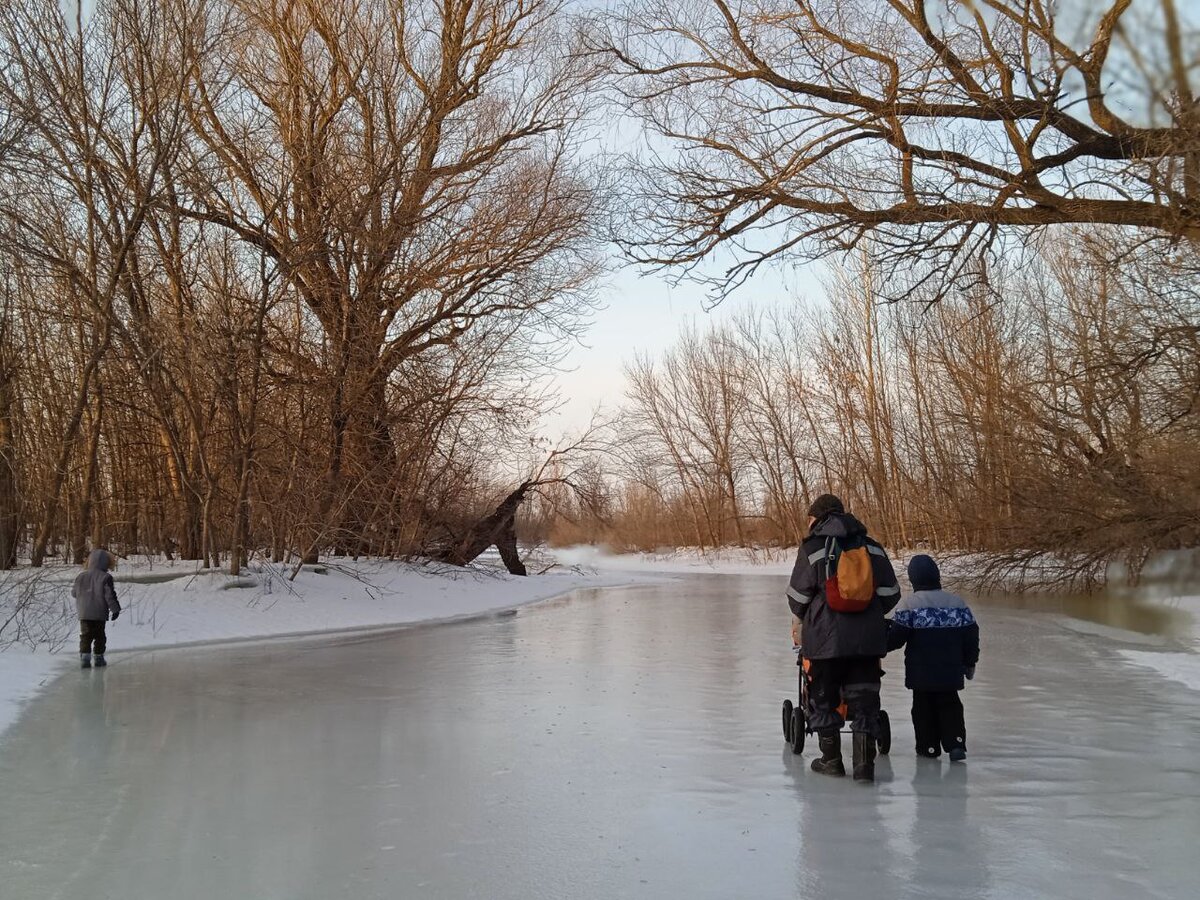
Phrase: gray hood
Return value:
(99, 560)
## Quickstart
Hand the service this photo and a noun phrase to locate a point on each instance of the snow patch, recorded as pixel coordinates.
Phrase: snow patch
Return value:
(1121, 635)
(1181, 667)
(24, 672)
(683, 560)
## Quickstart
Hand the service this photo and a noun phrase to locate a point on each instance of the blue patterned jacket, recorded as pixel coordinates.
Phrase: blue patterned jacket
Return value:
(940, 637)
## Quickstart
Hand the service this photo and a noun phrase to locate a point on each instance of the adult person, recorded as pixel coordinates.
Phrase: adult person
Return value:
(841, 588)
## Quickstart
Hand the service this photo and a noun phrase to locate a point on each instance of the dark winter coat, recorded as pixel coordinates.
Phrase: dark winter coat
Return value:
(95, 596)
(940, 638)
(827, 633)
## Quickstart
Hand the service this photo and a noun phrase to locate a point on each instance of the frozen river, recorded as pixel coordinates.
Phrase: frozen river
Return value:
(623, 743)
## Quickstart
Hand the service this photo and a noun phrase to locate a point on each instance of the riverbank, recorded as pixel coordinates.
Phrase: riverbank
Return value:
(170, 605)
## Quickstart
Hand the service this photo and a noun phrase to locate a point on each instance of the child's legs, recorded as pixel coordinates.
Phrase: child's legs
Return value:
(925, 723)
(99, 638)
(952, 728)
(91, 633)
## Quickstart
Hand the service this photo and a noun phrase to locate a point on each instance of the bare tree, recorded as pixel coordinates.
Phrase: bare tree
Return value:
(410, 168)
(935, 128)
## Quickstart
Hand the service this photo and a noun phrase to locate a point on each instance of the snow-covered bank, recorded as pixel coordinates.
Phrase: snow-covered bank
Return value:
(172, 605)
(682, 560)
(1181, 667)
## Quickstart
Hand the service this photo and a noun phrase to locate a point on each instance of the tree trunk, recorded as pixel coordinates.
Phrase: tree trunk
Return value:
(90, 476)
(498, 529)
(10, 500)
(70, 438)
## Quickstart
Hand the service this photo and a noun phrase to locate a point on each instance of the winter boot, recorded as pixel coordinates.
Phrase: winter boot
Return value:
(830, 761)
(85, 660)
(100, 663)
(864, 756)
(958, 754)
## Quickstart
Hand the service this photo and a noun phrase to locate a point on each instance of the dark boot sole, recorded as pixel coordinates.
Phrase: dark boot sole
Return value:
(866, 777)
(837, 770)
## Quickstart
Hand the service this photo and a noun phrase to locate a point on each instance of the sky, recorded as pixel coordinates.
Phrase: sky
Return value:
(644, 312)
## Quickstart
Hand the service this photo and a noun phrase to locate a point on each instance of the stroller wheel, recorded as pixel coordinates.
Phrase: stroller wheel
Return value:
(885, 733)
(787, 720)
(797, 739)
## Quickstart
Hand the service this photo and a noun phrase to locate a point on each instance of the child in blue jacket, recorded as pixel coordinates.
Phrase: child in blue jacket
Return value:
(941, 641)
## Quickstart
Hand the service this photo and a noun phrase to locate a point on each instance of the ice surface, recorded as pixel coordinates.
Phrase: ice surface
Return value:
(171, 604)
(623, 743)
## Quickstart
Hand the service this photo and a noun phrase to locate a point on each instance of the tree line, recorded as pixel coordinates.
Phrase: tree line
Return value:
(288, 276)
(1058, 412)
(279, 275)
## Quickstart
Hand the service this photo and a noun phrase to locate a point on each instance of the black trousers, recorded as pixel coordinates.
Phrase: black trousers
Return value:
(938, 722)
(91, 635)
(854, 679)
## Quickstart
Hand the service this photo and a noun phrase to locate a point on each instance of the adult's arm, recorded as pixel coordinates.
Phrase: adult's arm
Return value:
(887, 588)
(898, 632)
(802, 587)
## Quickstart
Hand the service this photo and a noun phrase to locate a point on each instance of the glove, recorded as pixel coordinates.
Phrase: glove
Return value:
(970, 673)
(115, 613)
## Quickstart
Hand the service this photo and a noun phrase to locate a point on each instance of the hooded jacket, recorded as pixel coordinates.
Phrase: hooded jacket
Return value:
(940, 639)
(827, 633)
(95, 596)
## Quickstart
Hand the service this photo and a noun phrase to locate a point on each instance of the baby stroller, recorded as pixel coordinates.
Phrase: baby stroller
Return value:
(797, 717)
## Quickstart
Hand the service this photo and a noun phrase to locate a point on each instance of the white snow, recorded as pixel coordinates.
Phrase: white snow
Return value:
(171, 605)
(683, 560)
(24, 672)
(1181, 667)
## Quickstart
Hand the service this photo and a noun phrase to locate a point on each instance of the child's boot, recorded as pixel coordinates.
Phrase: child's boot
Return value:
(100, 662)
(864, 756)
(830, 761)
(85, 660)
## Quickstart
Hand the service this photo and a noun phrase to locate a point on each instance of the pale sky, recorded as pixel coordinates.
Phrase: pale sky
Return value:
(646, 313)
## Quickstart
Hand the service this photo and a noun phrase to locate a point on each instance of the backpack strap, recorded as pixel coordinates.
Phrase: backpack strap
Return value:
(832, 550)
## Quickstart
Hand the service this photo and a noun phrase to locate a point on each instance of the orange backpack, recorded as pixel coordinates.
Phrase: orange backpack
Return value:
(849, 579)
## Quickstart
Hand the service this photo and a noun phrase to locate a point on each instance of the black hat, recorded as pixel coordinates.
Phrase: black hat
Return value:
(824, 505)
(923, 573)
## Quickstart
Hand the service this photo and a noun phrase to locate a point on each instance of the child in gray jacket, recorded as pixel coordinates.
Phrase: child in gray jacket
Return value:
(95, 602)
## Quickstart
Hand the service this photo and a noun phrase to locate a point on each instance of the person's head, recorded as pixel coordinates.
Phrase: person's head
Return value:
(825, 505)
(100, 559)
(923, 573)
